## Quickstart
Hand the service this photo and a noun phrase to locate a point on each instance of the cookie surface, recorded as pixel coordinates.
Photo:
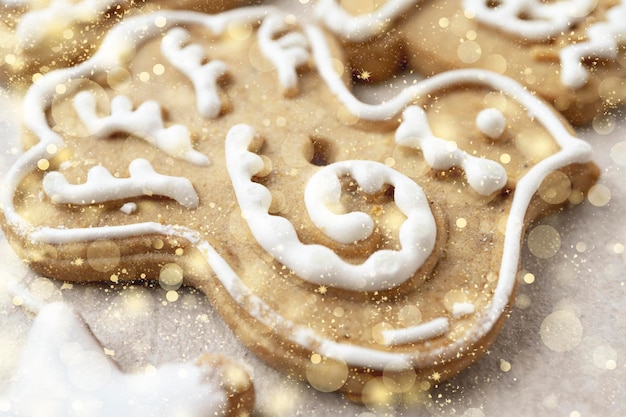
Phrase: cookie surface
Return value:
(348, 244)
(568, 52)
(38, 36)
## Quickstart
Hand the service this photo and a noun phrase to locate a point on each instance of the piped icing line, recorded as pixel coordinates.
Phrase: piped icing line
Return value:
(145, 122)
(101, 186)
(51, 376)
(383, 270)
(573, 150)
(286, 51)
(40, 96)
(35, 25)
(483, 175)
(424, 331)
(535, 20)
(603, 41)
(188, 59)
(363, 27)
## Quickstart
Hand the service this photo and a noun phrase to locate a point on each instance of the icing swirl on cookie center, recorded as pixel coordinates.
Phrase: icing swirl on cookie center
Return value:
(384, 269)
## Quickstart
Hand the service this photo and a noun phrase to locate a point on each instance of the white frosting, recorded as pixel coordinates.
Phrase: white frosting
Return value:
(491, 122)
(145, 122)
(36, 25)
(531, 19)
(384, 269)
(63, 370)
(603, 41)
(128, 208)
(419, 333)
(102, 186)
(204, 77)
(364, 27)
(285, 51)
(483, 175)
(39, 97)
(462, 309)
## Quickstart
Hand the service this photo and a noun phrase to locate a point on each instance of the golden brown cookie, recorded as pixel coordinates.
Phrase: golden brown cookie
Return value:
(38, 36)
(567, 51)
(366, 248)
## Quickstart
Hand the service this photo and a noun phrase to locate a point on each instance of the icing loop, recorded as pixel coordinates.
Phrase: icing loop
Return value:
(102, 186)
(146, 122)
(531, 19)
(603, 40)
(188, 60)
(483, 175)
(318, 264)
(286, 53)
(360, 28)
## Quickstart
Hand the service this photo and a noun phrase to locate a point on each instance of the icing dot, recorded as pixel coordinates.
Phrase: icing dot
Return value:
(60, 89)
(327, 375)
(144, 76)
(491, 123)
(618, 153)
(68, 34)
(544, 241)
(561, 331)
(505, 158)
(171, 296)
(555, 188)
(461, 223)
(581, 247)
(505, 366)
(599, 195)
(10, 59)
(469, 52)
(171, 277)
(316, 358)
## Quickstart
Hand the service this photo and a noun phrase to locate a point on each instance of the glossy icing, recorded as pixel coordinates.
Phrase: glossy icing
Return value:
(571, 150)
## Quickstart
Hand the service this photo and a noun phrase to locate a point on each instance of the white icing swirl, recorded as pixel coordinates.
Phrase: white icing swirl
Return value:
(363, 27)
(483, 175)
(102, 186)
(39, 98)
(285, 51)
(531, 19)
(603, 41)
(384, 269)
(145, 122)
(204, 77)
(491, 123)
(36, 25)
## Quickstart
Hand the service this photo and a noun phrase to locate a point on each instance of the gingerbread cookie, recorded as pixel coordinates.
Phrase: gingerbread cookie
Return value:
(567, 51)
(366, 248)
(64, 370)
(38, 36)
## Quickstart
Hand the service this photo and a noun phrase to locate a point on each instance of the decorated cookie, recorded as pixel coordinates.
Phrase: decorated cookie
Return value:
(38, 36)
(366, 248)
(568, 51)
(65, 371)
